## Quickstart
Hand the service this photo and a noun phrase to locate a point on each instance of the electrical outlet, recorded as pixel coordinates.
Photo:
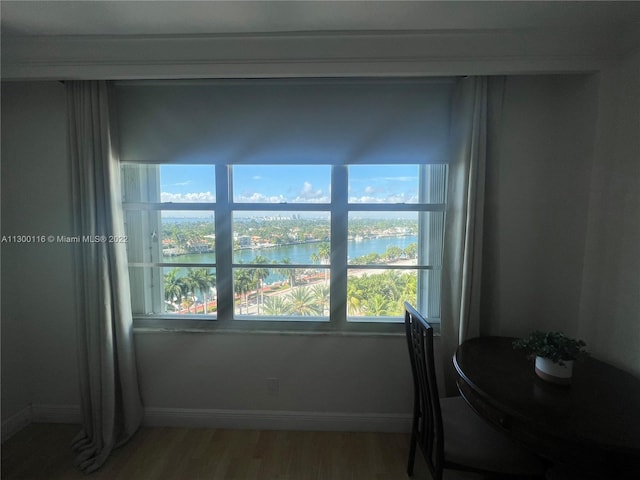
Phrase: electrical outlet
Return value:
(273, 386)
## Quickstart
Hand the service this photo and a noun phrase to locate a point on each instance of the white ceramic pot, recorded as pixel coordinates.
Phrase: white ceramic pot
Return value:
(553, 372)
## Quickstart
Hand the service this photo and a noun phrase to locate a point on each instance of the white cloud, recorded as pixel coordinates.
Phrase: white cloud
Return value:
(370, 190)
(397, 198)
(365, 199)
(256, 177)
(309, 195)
(311, 200)
(257, 197)
(195, 197)
(400, 179)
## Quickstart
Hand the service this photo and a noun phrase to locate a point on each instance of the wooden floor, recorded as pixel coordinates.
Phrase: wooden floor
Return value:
(42, 451)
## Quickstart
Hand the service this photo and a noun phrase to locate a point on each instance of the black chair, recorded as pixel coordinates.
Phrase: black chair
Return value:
(450, 434)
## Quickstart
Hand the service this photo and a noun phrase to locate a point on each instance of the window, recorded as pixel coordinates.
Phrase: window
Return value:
(347, 249)
(314, 211)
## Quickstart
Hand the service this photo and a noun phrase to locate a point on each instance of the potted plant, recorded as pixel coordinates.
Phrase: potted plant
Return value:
(554, 354)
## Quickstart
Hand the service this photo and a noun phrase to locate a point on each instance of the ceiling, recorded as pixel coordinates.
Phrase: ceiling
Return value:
(157, 39)
(161, 18)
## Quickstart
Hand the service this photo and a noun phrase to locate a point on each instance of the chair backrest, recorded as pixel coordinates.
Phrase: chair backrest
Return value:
(427, 416)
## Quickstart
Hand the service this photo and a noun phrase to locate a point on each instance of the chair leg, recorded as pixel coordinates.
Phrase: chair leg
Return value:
(412, 455)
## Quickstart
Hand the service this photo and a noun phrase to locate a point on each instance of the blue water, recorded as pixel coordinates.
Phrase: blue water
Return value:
(297, 254)
(301, 253)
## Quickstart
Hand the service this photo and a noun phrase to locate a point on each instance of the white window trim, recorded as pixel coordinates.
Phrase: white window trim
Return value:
(339, 209)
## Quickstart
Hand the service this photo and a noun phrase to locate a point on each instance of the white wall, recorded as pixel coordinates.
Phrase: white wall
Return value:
(562, 230)
(610, 306)
(38, 313)
(317, 373)
(537, 197)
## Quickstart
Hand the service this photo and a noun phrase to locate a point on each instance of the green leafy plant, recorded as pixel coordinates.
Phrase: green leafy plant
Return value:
(555, 346)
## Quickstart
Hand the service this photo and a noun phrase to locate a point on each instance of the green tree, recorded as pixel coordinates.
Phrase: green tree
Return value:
(173, 286)
(390, 283)
(393, 253)
(321, 294)
(242, 283)
(410, 289)
(202, 279)
(191, 286)
(275, 305)
(260, 275)
(377, 306)
(301, 301)
(354, 296)
(411, 250)
(187, 301)
(324, 254)
(289, 273)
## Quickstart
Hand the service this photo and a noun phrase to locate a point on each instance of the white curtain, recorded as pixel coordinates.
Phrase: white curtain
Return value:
(462, 255)
(110, 399)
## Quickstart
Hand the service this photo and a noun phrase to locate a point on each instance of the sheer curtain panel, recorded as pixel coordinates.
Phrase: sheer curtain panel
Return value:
(462, 255)
(110, 399)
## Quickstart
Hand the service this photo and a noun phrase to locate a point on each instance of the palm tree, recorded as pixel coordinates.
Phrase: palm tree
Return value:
(187, 302)
(289, 273)
(321, 294)
(190, 283)
(354, 298)
(410, 290)
(302, 302)
(377, 306)
(260, 274)
(173, 286)
(202, 279)
(324, 254)
(242, 283)
(390, 283)
(275, 305)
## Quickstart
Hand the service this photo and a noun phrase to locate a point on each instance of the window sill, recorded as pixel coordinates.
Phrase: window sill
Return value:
(257, 331)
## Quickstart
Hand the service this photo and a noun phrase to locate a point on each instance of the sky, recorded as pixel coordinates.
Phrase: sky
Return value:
(290, 184)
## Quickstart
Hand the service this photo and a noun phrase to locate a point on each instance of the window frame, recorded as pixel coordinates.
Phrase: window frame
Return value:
(338, 209)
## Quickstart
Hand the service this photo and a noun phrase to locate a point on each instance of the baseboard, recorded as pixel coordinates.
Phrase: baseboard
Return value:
(15, 423)
(242, 419)
(277, 420)
(56, 414)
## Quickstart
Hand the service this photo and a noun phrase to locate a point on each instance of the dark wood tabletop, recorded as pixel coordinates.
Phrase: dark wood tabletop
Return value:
(598, 414)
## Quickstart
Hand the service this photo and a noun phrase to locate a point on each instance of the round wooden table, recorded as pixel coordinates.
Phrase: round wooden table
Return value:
(594, 422)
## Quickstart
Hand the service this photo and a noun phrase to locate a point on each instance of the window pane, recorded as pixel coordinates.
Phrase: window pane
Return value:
(178, 291)
(383, 238)
(397, 183)
(280, 237)
(286, 292)
(429, 288)
(188, 236)
(142, 235)
(170, 236)
(140, 183)
(187, 183)
(168, 183)
(380, 293)
(282, 184)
